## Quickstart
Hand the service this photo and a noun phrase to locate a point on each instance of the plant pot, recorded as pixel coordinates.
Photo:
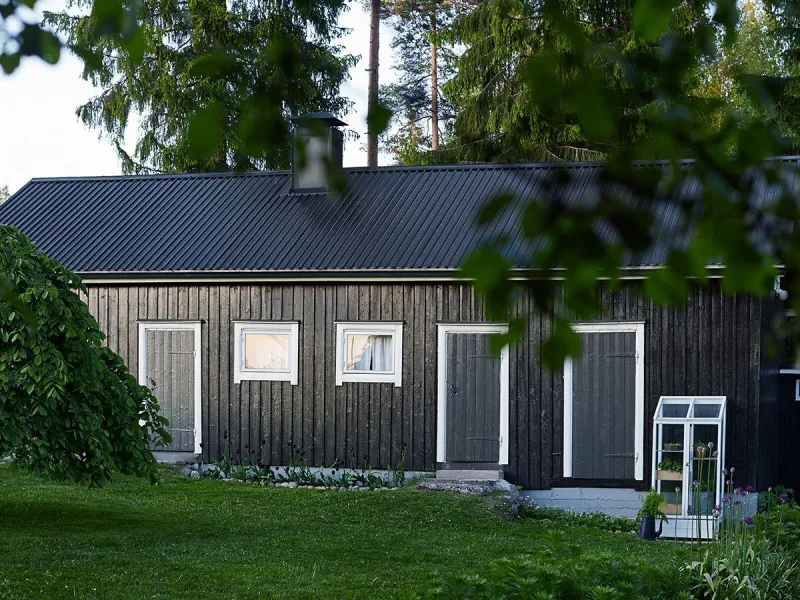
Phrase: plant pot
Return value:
(706, 503)
(647, 530)
(671, 447)
(669, 475)
(700, 452)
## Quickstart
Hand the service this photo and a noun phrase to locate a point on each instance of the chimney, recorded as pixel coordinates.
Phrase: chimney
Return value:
(318, 146)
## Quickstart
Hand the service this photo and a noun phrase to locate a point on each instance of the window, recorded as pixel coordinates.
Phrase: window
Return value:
(265, 351)
(369, 352)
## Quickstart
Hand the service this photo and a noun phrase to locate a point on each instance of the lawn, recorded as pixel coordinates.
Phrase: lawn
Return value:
(199, 538)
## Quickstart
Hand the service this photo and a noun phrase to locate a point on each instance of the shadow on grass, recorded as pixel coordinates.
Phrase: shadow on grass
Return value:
(46, 516)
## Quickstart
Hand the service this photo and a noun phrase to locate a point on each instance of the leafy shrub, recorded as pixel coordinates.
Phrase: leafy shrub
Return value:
(750, 569)
(777, 496)
(651, 506)
(669, 464)
(781, 526)
(562, 517)
(748, 559)
(68, 406)
(298, 471)
(566, 573)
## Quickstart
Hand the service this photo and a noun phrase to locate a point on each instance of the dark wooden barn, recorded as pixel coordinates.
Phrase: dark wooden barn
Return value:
(271, 318)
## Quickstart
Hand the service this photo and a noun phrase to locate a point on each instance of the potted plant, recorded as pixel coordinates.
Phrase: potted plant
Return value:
(673, 446)
(701, 449)
(650, 511)
(670, 469)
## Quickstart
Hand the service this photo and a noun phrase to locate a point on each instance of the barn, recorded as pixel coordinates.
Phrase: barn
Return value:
(271, 316)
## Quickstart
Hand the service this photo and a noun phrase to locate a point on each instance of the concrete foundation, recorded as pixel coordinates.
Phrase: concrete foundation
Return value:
(613, 502)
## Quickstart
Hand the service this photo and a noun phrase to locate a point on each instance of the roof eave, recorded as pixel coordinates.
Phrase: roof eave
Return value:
(337, 275)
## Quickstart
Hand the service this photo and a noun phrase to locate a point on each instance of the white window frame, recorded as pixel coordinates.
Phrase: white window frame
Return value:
(194, 326)
(392, 328)
(636, 327)
(241, 328)
(441, 396)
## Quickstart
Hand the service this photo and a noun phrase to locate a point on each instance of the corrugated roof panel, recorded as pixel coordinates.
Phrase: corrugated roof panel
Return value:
(388, 218)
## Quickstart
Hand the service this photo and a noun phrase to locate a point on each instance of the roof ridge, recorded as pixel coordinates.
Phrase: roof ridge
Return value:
(389, 168)
(167, 176)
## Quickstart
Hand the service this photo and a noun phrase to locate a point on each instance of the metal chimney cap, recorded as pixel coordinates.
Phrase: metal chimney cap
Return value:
(321, 116)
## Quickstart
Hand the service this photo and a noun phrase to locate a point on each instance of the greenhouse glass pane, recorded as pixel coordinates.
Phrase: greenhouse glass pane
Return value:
(706, 411)
(674, 411)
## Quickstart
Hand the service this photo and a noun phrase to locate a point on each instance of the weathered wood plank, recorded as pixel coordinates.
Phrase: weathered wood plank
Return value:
(710, 346)
(318, 399)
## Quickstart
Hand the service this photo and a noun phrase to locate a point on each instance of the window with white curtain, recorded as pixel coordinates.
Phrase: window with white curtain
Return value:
(266, 351)
(369, 352)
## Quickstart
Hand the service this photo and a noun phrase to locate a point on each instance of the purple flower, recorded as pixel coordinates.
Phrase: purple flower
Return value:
(724, 471)
(677, 490)
(715, 454)
(766, 518)
(748, 520)
(689, 510)
(732, 470)
(717, 508)
(694, 483)
(738, 491)
(784, 497)
(788, 526)
(749, 489)
(711, 445)
(729, 482)
(736, 503)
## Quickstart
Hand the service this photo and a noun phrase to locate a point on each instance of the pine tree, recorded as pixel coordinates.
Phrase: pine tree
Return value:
(424, 62)
(373, 90)
(497, 119)
(211, 84)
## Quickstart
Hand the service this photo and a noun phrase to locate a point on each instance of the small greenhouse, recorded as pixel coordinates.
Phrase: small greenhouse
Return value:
(688, 457)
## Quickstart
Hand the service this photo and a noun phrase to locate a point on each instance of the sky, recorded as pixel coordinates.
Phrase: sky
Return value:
(41, 136)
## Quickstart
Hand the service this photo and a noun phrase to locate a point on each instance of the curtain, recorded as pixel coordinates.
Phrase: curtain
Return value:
(369, 352)
(266, 351)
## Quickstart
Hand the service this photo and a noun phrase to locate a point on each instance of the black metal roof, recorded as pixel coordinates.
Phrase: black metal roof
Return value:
(388, 219)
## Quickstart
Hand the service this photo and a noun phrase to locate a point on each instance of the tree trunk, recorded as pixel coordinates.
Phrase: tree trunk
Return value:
(434, 88)
(372, 95)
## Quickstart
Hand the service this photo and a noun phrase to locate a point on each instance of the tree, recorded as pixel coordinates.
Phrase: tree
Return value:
(213, 84)
(4, 193)
(714, 223)
(498, 116)
(758, 50)
(373, 128)
(68, 405)
(24, 38)
(423, 63)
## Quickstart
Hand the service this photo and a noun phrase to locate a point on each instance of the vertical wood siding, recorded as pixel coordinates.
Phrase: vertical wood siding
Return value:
(712, 345)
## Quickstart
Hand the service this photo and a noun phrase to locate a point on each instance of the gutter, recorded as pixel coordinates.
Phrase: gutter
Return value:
(337, 275)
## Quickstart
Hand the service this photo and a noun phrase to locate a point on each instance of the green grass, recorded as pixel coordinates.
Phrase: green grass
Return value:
(200, 538)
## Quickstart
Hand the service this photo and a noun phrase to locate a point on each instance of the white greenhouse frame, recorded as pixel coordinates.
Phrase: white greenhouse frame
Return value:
(683, 524)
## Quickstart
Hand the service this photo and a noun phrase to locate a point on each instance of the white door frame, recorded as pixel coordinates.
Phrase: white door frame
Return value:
(443, 330)
(636, 327)
(194, 326)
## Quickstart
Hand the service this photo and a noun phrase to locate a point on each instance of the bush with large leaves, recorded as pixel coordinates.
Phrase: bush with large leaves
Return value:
(68, 406)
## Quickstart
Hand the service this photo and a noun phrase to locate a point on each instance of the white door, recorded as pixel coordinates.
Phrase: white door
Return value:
(169, 364)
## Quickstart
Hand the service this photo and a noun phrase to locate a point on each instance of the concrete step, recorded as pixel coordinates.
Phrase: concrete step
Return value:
(480, 487)
(469, 475)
